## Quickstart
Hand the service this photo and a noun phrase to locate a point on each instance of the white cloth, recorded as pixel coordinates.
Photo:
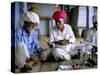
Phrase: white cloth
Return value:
(94, 18)
(83, 47)
(92, 36)
(21, 54)
(31, 17)
(62, 51)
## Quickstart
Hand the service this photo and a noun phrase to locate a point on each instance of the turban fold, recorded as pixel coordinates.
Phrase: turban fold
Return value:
(59, 15)
(31, 17)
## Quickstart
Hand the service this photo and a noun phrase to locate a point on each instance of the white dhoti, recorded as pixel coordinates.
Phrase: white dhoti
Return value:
(62, 52)
(65, 52)
(82, 48)
(21, 54)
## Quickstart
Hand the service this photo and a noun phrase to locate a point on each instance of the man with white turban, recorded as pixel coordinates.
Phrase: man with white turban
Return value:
(26, 43)
(61, 38)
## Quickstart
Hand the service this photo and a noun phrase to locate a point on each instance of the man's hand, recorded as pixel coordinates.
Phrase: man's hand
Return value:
(50, 45)
(62, 42)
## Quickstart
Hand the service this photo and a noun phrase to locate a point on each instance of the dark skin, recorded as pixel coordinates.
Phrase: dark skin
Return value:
(95, 25)
(61, 42)
(29, 26)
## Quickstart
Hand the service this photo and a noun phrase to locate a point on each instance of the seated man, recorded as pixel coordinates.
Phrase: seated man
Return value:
(89, 38)
(26, 43)
(61, 39)
(92, 33)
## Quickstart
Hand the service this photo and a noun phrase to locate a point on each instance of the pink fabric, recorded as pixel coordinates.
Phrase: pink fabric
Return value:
(59, 14)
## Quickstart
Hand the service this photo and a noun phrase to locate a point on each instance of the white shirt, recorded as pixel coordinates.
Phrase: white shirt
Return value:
(56, 34)
(62, 51)
(92, 36)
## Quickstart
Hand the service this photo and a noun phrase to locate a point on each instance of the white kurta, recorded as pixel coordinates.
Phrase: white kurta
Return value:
(62, 51)
(92, 36)
(21, 54)
(89, 41)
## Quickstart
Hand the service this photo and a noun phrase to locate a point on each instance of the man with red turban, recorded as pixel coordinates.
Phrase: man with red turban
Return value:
(61, 37)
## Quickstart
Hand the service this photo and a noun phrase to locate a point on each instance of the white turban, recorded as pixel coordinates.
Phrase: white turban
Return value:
(31, 17)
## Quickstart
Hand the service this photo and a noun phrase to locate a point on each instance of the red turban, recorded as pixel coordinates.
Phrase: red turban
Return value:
(59, 14)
